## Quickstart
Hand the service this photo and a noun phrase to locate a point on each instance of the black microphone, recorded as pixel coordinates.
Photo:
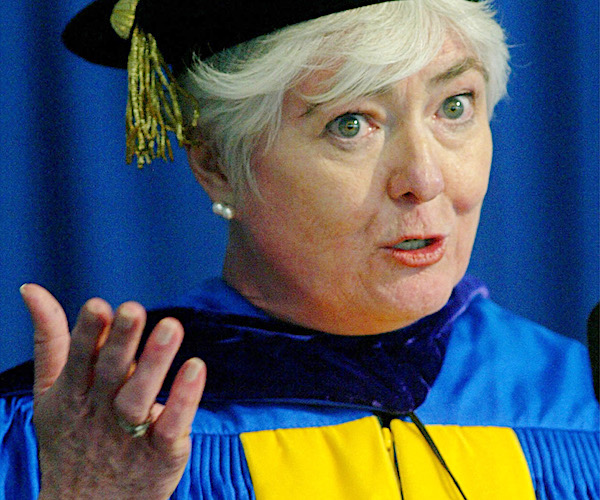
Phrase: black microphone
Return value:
(592, 331)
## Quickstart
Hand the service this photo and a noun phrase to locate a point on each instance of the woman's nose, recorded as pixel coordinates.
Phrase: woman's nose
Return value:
(416, 169)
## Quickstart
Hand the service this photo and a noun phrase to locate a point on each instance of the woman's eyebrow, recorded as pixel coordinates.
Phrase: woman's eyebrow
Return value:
(458, 69)
(451, 73)
(310, 109)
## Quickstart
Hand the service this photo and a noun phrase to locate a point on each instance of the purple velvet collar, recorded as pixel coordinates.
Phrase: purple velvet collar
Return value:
(254, 359)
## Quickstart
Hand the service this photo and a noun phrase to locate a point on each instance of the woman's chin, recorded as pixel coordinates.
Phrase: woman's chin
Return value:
(410, 300)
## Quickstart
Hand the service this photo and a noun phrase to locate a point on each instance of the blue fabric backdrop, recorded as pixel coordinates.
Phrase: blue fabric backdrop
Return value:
(78, 220)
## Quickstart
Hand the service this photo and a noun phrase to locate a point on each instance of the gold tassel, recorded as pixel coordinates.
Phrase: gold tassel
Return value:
(153, 104)
(154, 96)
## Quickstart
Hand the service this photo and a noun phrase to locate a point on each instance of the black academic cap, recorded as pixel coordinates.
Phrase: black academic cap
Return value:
(182, 27)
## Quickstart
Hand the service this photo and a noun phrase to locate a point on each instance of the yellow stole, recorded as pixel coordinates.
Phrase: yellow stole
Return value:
(360, 460)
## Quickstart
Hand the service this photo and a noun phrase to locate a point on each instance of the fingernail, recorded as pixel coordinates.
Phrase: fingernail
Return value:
(126, 319)
(165, 332)
(93, 307)
(193, 369)
(23, 289)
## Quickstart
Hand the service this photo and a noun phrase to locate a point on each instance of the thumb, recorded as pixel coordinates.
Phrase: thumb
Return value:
(51, 335)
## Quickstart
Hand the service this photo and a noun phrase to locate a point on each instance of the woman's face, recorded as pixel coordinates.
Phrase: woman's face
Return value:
(369, 209)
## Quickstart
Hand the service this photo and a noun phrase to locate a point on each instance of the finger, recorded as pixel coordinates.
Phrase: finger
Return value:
(51, 335)
(117, 354)
(136, 398)
(174, 424)
(92, 326)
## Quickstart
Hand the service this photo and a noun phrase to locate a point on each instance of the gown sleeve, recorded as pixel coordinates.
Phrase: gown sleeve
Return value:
(19, 469)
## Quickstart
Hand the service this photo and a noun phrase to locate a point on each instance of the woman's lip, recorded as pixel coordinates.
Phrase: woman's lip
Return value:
(422, 257)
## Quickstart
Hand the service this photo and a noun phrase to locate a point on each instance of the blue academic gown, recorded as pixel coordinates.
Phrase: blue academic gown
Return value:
(292, 413)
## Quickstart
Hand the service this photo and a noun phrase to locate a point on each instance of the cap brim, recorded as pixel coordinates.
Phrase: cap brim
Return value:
(186, 27)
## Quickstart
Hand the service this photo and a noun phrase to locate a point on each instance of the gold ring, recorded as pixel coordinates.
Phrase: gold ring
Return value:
(135, 431)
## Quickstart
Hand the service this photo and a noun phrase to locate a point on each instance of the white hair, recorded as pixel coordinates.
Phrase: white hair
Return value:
(241, 90)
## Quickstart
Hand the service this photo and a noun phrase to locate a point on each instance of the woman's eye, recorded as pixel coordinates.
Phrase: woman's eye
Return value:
(348, 126)
(456, 106)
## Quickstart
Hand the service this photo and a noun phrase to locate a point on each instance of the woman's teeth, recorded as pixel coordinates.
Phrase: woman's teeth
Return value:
(413, 244)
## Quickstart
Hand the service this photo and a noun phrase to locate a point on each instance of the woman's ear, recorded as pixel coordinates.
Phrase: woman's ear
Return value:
(209, 172)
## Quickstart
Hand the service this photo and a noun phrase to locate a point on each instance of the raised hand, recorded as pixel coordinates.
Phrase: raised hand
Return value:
(101, 432)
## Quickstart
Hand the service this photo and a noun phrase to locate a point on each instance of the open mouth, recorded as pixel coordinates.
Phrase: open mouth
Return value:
(419, 252)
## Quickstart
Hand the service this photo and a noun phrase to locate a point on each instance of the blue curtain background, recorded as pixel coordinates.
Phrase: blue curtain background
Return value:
(77, 219)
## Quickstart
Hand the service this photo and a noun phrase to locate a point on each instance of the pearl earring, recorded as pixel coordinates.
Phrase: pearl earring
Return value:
(223, 210)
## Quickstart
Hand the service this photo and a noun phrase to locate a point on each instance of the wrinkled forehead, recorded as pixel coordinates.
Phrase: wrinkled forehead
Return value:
(449, 60)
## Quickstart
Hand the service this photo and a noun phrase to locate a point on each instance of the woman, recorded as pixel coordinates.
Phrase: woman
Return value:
(351, 155)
